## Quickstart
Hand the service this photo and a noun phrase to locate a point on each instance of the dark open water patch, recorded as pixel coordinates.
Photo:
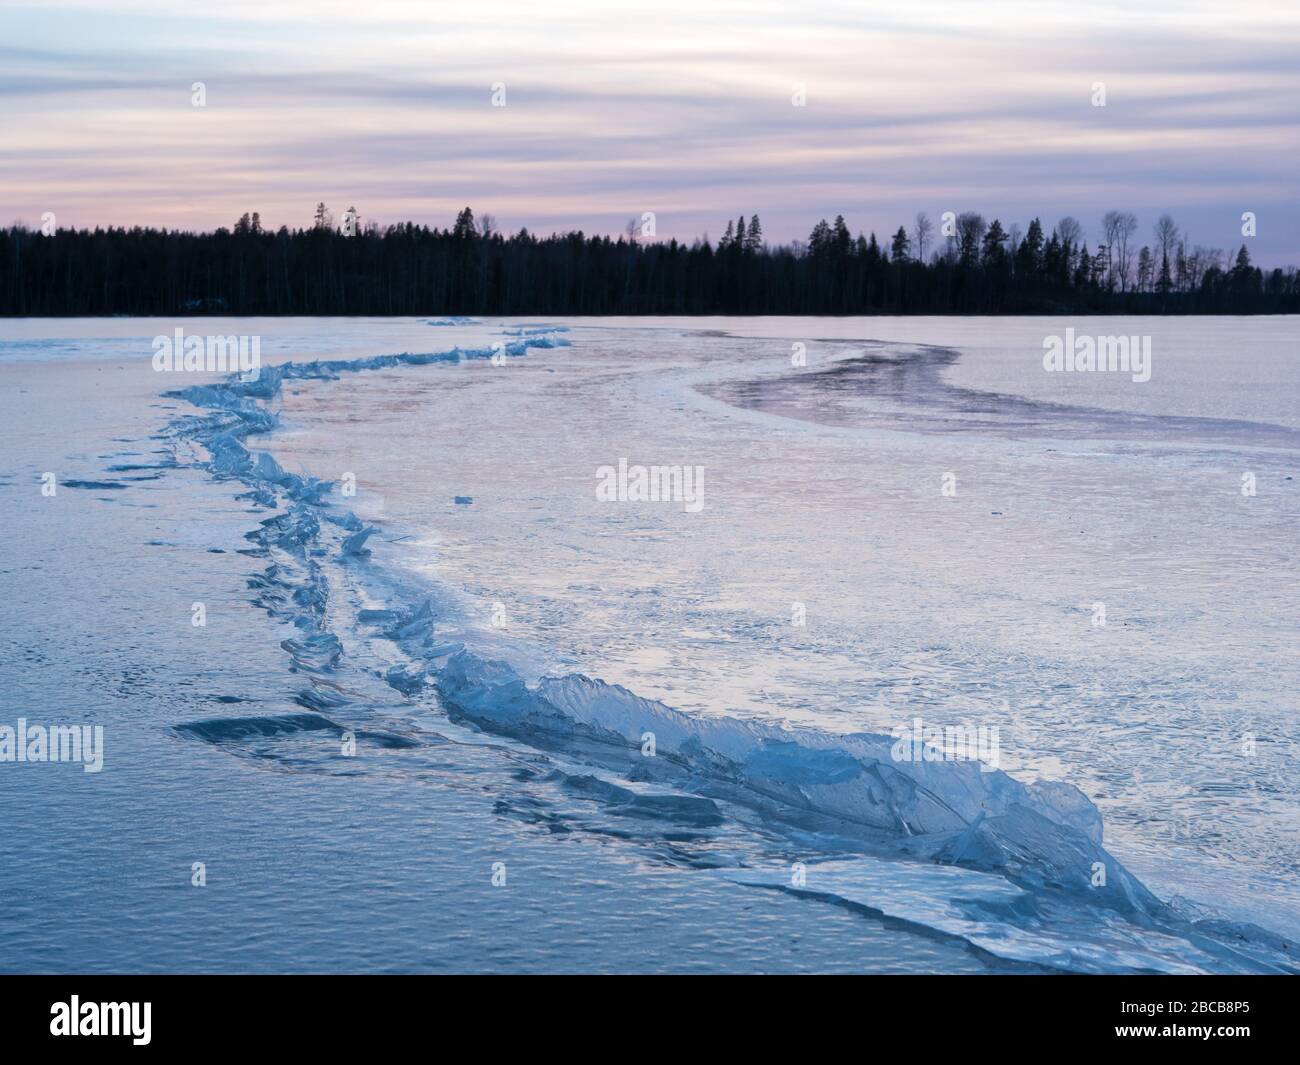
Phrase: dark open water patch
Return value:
(907, 391)
(94, 484)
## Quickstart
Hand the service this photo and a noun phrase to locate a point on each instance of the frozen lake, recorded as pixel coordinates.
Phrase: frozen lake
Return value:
(889, 519)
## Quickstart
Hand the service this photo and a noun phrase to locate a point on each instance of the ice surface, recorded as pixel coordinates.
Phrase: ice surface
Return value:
(1041, 839)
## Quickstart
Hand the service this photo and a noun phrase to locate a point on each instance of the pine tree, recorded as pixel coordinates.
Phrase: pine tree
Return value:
(1101, 264)
(1144, 269)
(819, 240)
(901, 245)
(1055, 264)
(1083, 272)
(970, 228)
(993, 253)
(464, 228)
(417, 269)
(1029, 260)
(841, 238)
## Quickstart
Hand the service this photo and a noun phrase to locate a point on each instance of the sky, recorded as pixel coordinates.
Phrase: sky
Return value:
(694, 110)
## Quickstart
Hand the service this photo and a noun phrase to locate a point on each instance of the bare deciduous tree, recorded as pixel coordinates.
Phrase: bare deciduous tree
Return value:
(1166, 233)
(1070, 234)
(1119, 227)
(921, 230)
(1127, 226)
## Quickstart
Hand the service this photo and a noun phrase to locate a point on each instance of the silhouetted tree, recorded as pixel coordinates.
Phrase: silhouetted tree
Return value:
(464, 227)
(1029, 256)
(410, 269)
(899, 248)
(921, 230)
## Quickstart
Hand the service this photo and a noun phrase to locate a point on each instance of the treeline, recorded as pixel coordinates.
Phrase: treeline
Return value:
(965, 266)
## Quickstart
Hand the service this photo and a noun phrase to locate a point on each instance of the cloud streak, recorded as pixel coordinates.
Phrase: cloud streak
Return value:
(678, 108)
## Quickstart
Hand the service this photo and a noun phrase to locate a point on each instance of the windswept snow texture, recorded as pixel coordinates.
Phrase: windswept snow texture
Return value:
(1017, 869)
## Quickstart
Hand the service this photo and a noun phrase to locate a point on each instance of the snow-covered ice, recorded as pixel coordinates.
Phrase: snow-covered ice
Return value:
(770, 645)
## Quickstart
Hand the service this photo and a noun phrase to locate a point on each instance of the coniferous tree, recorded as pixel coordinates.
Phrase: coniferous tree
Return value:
(819, 240)
(900, 245)
(1165, 283)
(994, 254)
(970, 231)
(1028, 263)
(464, 228)
(1083, 270)
(841, 238)
(1144, 269)
(411, 269)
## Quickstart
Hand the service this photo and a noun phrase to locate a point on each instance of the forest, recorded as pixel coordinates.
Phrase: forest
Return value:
(964, 265)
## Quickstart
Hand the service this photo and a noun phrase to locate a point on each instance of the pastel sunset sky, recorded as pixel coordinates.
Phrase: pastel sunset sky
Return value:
(680, 107)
